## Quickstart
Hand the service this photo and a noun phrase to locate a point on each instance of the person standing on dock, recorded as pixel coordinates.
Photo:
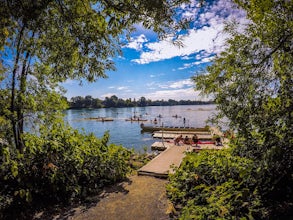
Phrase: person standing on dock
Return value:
(195, 140)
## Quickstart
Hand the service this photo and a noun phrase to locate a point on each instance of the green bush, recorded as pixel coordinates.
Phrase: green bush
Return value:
(59, 165)
(215, 185)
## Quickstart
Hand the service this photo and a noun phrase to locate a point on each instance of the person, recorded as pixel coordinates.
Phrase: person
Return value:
(184, 120)
(195, 139)
(155, 121)
(186, 140)
(218, 141)
(177, 140)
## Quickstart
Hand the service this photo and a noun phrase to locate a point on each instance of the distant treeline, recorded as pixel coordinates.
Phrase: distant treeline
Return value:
(90, 102)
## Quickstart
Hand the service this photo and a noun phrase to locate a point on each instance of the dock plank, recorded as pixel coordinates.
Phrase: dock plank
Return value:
(172, 155)
(160, 166)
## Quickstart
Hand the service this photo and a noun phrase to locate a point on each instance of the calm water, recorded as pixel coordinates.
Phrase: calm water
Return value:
(128, 133)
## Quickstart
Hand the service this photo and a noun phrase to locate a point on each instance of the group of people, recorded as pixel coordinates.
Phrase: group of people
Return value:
(186, 140)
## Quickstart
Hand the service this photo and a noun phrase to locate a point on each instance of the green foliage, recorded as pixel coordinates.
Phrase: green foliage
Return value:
(43, 43)
(58, 165)
(215, 185)
(114, 101)
(252, 85)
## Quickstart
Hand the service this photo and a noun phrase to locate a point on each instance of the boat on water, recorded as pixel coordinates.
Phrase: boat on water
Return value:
(101, 119)
(168, 128)
(135, 119)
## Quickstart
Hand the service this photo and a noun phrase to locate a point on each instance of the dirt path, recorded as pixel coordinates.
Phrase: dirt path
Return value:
(141, 197)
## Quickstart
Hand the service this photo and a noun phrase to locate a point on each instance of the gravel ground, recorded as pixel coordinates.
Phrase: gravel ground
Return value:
(141, 197)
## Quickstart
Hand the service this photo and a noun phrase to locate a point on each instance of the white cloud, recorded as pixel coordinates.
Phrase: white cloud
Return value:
(151, 84)
(185, 66)
(206, 38)
(137, 42)
(203, 60)
(202, 57)
(176, 94)
(103, 96)
(171, 84)
(67, 81)
(181, 84)
(157, 75)
(195, 41)
(186, 58)
(122, 88)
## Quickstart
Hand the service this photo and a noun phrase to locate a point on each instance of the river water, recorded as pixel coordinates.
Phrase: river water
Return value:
(128, 133)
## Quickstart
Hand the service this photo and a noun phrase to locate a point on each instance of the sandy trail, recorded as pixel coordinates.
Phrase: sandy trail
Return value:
(141, 197)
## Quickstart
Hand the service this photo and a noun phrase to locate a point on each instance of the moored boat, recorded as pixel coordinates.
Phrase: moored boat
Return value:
(135, 119)
(166, 128)
(102, 119)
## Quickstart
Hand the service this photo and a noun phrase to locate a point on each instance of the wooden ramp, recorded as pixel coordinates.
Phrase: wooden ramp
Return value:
(160, 166)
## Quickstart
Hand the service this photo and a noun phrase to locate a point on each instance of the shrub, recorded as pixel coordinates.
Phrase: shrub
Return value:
(59, 165)
(215, 185)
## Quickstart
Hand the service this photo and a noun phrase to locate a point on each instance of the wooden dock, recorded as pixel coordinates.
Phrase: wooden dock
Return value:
(182, 132)
(173, 155)
(172, 135)
(160, 166)
(160, 146)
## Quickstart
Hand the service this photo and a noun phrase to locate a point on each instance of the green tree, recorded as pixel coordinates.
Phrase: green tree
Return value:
(121, 103)
(88, 101)
(142, 102)
(98, 103)
(45, 42)
(252, 85)
(77, 102)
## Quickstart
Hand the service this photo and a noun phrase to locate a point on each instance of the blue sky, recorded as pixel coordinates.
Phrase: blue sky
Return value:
(157, 69)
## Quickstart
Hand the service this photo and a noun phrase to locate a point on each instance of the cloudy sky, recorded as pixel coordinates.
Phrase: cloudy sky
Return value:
(159, 69)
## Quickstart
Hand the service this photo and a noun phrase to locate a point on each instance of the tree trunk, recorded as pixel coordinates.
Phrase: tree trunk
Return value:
(20, 101)
(13, 119)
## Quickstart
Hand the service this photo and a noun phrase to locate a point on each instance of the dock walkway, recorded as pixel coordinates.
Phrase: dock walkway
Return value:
(160, 165)
(173, 155)
(159, 145)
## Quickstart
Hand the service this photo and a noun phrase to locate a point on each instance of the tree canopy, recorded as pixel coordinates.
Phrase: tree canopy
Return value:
(47, 42)
(44, 43)
(113, 101)
(251, 81)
